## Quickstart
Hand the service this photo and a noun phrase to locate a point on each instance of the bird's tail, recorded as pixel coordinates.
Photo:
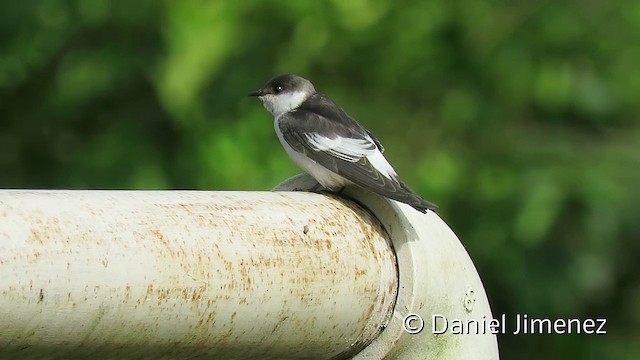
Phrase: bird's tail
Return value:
(410, 197)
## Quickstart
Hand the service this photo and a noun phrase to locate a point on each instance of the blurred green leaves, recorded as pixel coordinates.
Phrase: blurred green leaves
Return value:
(521, 120)
(199, 37)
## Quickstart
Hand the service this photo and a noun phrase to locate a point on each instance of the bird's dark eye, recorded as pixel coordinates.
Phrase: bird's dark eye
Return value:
(277, 89)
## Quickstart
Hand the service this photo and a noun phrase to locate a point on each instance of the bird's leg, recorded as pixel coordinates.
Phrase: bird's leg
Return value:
(308, 187)
(317, 188)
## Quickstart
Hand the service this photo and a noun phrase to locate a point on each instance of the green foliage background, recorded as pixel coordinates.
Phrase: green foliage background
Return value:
(520, 119)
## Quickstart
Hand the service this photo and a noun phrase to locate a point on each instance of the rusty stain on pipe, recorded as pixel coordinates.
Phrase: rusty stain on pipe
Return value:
(182, 274)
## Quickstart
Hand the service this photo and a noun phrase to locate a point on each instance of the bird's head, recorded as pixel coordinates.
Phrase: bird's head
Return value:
(284, 93)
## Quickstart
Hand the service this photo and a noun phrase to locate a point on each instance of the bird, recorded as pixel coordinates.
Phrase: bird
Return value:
(330, 145)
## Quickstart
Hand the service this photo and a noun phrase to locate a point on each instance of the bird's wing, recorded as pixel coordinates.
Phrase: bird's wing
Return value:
(349, 151)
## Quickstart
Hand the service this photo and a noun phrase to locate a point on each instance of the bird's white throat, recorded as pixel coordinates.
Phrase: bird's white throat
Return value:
(281, 103)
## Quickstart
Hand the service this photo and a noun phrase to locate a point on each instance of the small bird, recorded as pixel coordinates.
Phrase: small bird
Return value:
(330, 145)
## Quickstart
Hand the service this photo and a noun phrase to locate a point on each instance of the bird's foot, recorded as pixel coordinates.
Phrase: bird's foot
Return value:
(315, 188)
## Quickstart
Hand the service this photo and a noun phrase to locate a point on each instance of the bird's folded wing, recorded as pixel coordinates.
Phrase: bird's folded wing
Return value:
(354, 155)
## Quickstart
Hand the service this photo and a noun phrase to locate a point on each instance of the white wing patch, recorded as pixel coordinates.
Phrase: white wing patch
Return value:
(352, 150)
(382, 165)
(347, 149)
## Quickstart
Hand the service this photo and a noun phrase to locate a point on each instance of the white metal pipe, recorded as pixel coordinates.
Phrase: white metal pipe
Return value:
(232, 275)
(184, 274)
(437, 280)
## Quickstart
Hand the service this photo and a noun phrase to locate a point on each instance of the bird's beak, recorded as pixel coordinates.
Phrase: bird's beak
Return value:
(257, 93)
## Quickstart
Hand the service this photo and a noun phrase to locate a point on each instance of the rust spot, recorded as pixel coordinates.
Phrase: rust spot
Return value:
(211, 316)
(371, 308)
(160, 236)
(305, 229)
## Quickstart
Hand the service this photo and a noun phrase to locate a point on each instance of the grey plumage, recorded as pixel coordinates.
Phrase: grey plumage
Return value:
(329, 144)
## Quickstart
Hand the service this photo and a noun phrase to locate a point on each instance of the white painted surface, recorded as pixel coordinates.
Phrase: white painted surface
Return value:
(185, 274)
(436, 276)
(181, 274)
